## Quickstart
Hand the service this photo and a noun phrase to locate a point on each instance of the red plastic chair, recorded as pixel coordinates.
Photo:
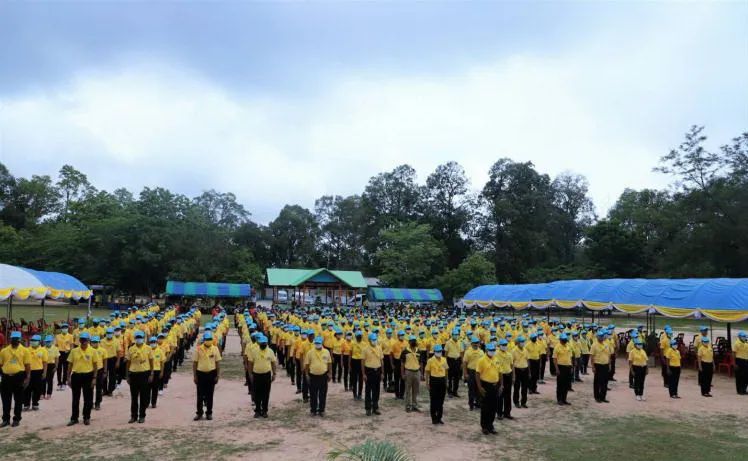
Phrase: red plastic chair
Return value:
(728, 363)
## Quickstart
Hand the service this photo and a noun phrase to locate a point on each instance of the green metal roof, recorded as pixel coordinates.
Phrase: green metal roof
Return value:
(296, 277)
(405, 294)
(220, 290)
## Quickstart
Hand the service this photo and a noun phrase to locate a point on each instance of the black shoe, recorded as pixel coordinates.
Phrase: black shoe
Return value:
(612, 379)
(86, 422)
(265, 414)
(440, 421)
(434, 422)
(524, 405)
(472, 408)
(321, 414)
(15, 423)
(605, 401)
(567, 403)
(209, 417)
(500, 417)
(313, 413)
(416, 409)
(368, 412)
(141, 420)
(257, 415)
(132, 420)
(492, 431)
(571, 390)
(508, 417)
(376, 412)
(5, 424)
(72, 422)
(408, 410)
(485, 431)
(560, 403)
(457, 396)
(298, 391)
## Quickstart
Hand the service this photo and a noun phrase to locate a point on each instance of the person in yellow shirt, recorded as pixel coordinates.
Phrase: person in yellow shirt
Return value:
(398, 346)
(563, 355)
(64, 343)
(37, 379)
(15, 364)
(101, 372)
(262, 365)
(53, 358)
(521, 373)
(705, 363)
(139, 377)
(318, 368)
(372, 357)
(387, 375)
(158, 359)
(411, 367)
(638, 365)
(505, 359)
(673, 362)
(436, 382)
(336, 347)
(600, 355)
(665, 338)
(206, 368)
(346, 359)
(82, 369)
(533, 359)
(111, 347)
(740, 351)
(488, 382)
(357, 369)
(453, 349)
(469, 361)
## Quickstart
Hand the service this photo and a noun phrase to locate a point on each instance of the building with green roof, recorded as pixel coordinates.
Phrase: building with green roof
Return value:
(328, 285)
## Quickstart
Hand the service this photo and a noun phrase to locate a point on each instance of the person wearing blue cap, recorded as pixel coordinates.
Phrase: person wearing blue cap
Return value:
(35, 389)
(521, 363)
(600, 355)
(15, 364)
(436, 382)
(411, 369)
(705, 365)
(740, 352)
(112, 355)
(262, 366)
(673, 363)
(637, 359)
(488, 381)
(139, 377)
(64, 342)
(336, 348)
(357, 382)
(562, 361)
(665, 337)
(206, 369)
(469, 361)
(453, 349)
(372, 374)
(318, 369)
(398, 346)
(505, 358)
(158, 357)
(387, 374)
(53, 358)
(82, 378)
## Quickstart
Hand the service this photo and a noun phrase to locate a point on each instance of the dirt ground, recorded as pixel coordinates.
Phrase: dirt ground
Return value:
(291, 434)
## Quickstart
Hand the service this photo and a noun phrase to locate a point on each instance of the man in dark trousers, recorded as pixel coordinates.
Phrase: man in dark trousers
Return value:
(82, 370)
(600, 355)
(139, 377)
(205, 373)
(15, 364)
(261, 365)
(318, 368)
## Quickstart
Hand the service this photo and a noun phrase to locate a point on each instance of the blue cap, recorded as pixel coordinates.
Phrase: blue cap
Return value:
(674, 342)
(521, 339)
(388, 331)
(15, 335)
(262, 339)
(490, 347)
(601, 334)
(475, 340)
(372, 337)
(139, 334)
(207, 336)
(412, 338)
(705, 339)
(49, 338)
(703, 328)
(359, 333)
(110, 330)
(318, 340)
(533, 336)
(85, 335)
(575, 333)
(503, 342)
(95, 339)
(742, 334)
(438, 348)
(36, 338)
(563, 337)
(401, 333)
(152, 339)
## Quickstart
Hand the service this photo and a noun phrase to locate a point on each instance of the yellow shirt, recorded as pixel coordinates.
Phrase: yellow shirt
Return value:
(373, 356)
(83, 361)
(638, 357)
(262, 360)
(436, 367)
(520, 357)
(706, 354)
(356, 347)
(472, 356)
(533, 350)
(563, 353)
(337, 345)
(600, 353)
(505, 361)
(158, 356)
(397, 348)
(206, 357)
(411, 359)
(14, 360)
(110, 346)
(487, 369)
(453, 349)
(64, 342)
(39, 357)
(387, 346)
(52, 354)
(138, 358)
(673, 356)
(345, 348)
(740, 348)
(317, 360)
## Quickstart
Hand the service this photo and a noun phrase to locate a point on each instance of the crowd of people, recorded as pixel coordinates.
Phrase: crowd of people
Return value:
(502, 360)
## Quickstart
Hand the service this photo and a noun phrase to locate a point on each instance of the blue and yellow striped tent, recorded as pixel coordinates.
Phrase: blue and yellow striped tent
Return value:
(208, 289)
(431, 295)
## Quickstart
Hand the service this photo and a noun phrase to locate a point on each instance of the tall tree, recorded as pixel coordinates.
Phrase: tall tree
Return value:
(294, 233)
(73, 186)
(409, 256)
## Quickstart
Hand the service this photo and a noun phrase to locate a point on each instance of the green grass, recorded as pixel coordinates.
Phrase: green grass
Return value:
(51, 313)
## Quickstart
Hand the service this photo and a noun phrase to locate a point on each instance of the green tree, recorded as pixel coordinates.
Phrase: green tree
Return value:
(294, 235)
(409, 255)
(474, 271)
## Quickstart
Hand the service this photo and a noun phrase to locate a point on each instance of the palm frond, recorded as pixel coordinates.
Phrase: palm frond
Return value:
(370, 450)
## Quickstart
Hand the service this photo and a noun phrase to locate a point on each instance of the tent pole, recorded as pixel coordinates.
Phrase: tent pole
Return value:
(43, 317)
(729, 335)
(88, 313)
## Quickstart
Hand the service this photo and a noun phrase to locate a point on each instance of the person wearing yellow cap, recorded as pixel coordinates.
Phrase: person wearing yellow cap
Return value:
(39, 358)
(372, 374)
(262, 365)
(15, 364)
(82, 370)
(139, 377)
(206, 369)
(436, 382)
(318, 368)
(488, 382)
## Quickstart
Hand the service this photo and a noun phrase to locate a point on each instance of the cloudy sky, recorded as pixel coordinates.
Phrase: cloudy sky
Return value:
(284, 102)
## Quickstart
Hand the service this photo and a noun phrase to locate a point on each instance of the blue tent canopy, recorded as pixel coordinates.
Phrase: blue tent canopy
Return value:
(719, 299)
(215, 290)
(405, 294)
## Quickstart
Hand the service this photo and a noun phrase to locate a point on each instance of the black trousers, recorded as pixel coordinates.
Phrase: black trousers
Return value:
(399, 381)
(11, 390)
(299, 372)
(387, 375)
(563, 382)
(206, 385)
(111, 375)
(122, 370)
(35, 389)
(612, 367)
(551, 368)
(673, 380)
(139, 393)
(318, 392)
(705, 377)
(585, 363)
(371, 397)
(291, 369)
(337, 367)
(534, 375)
(741, 376)
(504, 403)
(488, 405)
(522, 380)
(455, 375)
(577, 361)
(156, 385)
(261, 383)
(167, 375)
(50, 378)
(543, 360)
(62, 369)
(600, 383)
(640, 373)
(356, 385)
(100, 383)
(346, 371)
(473, 397)
(81, 383)
(437, 391)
